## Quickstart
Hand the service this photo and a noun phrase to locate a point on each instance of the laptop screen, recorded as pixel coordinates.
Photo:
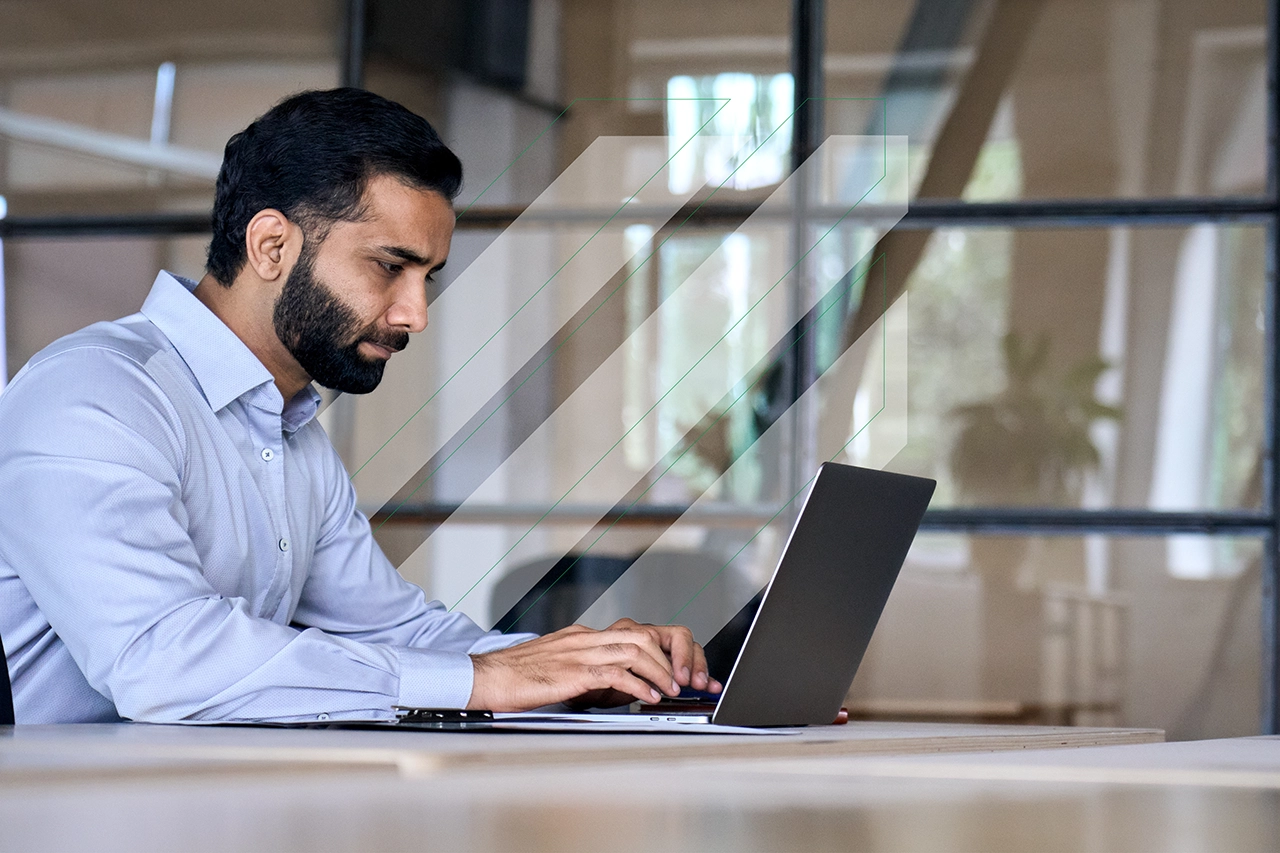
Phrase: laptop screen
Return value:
(817, 614)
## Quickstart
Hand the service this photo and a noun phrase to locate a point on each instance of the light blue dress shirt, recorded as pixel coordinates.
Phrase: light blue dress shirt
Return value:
(179, 542)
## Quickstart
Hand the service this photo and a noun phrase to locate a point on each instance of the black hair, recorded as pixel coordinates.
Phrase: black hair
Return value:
(311, 157)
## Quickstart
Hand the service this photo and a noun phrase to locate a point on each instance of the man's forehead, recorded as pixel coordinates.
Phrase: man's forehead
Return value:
(388, 193)
(405, 221)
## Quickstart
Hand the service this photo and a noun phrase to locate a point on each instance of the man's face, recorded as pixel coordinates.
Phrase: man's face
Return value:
(352, 301)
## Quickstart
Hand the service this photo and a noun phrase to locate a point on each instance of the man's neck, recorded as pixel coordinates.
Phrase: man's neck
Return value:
(246, 310)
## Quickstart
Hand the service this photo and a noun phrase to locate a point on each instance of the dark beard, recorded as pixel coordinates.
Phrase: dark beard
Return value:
(323, 334)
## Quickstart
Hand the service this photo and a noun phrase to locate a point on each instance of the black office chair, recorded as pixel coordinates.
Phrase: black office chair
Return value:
(560, 590)
(6, 692)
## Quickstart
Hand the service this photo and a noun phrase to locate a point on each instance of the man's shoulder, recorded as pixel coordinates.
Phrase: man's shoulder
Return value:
(130, 339)
(111, 367)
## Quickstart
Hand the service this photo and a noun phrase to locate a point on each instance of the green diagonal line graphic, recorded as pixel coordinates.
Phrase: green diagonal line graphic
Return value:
(639, 266)
(523, 152)
(534, 295)
(674, 385)
(650, 409)
(692, 444)
(576, 329)
(884, 402)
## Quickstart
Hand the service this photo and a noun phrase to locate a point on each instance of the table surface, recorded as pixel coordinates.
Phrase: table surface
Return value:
(867, 786)
(105, 748)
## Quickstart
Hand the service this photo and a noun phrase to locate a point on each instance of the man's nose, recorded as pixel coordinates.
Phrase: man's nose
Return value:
(409, 311)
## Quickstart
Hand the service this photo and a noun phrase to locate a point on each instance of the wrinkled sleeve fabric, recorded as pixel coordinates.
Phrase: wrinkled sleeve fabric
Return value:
(353, 591)
(93, 457)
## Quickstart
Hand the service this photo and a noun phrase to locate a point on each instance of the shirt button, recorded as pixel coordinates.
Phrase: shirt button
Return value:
(284, 544)
(268, 454)
(323, 717)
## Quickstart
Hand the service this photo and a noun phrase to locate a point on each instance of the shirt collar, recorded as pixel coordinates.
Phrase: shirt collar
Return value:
(301, 409)
(224, 368)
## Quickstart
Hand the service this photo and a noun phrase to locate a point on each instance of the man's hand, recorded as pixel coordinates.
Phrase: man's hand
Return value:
(591, 668)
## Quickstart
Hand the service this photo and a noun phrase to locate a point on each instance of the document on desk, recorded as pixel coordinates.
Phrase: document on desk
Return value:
(523, 721)
(527, 721)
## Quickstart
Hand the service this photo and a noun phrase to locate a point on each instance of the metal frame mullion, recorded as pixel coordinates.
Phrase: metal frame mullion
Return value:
(936, 213)
(1270, 603)
(1137, 522)
(1271, 470)
(1115, 522)
(353, 42)
(927, 213)
(117, 225)
(808, 36)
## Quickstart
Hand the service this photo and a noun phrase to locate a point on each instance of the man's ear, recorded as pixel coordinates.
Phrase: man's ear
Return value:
(272, 244)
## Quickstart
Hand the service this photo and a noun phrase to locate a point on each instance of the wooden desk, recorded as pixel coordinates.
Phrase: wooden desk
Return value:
(110, 748)
(866, 786)
(1252, 763)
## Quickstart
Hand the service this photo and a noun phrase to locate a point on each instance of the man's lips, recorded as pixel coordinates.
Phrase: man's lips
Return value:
(378, 350)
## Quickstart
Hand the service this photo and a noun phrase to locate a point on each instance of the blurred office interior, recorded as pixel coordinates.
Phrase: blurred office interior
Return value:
(1090, 349)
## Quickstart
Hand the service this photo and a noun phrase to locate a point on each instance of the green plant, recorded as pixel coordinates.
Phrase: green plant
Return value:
(1030, 443)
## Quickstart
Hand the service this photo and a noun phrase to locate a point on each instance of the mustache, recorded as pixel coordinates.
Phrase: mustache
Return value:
(394, 341)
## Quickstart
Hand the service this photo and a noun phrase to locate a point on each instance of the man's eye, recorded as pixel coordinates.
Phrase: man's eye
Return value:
(394, 269)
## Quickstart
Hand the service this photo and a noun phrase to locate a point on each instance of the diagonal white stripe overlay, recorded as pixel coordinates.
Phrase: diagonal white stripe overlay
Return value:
(533, 277)
(773, 295)
(870, 436)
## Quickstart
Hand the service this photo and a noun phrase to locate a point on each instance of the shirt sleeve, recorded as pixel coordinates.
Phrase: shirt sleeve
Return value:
(92, 464)
(353, 591)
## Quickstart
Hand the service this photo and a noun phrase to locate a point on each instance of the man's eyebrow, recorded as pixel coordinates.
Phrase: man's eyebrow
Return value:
(407, 255)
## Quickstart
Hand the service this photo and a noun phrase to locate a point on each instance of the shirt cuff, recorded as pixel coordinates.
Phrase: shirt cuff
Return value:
(494, 640)
(430, 678)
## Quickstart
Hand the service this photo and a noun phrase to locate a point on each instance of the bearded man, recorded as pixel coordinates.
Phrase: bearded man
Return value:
(178, 538)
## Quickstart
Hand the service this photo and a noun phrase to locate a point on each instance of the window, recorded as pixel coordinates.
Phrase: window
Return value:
(1084, 284)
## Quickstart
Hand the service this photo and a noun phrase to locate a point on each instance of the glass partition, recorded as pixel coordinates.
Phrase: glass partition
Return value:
(1081, 367)
(592, 427)
(128, 110)
(54, 286)
(1058, 99)
(1079, 630)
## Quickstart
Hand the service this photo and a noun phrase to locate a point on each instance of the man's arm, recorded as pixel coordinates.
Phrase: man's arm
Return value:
(352, 590)
(91, 518)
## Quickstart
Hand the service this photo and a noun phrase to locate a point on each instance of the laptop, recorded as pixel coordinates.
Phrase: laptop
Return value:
(809, 634)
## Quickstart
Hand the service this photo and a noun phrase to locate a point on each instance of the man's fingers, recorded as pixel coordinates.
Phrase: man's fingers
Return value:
(677, 641)
(626, 643)
(630, 659)
(647, 638)
(701, 679)
(688, 660)
(642, 662)
(620, 678)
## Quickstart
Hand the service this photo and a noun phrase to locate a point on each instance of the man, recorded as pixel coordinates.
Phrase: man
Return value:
(178, 539)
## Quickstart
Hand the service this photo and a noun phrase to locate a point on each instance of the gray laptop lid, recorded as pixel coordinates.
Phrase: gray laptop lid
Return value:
(825, 597)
